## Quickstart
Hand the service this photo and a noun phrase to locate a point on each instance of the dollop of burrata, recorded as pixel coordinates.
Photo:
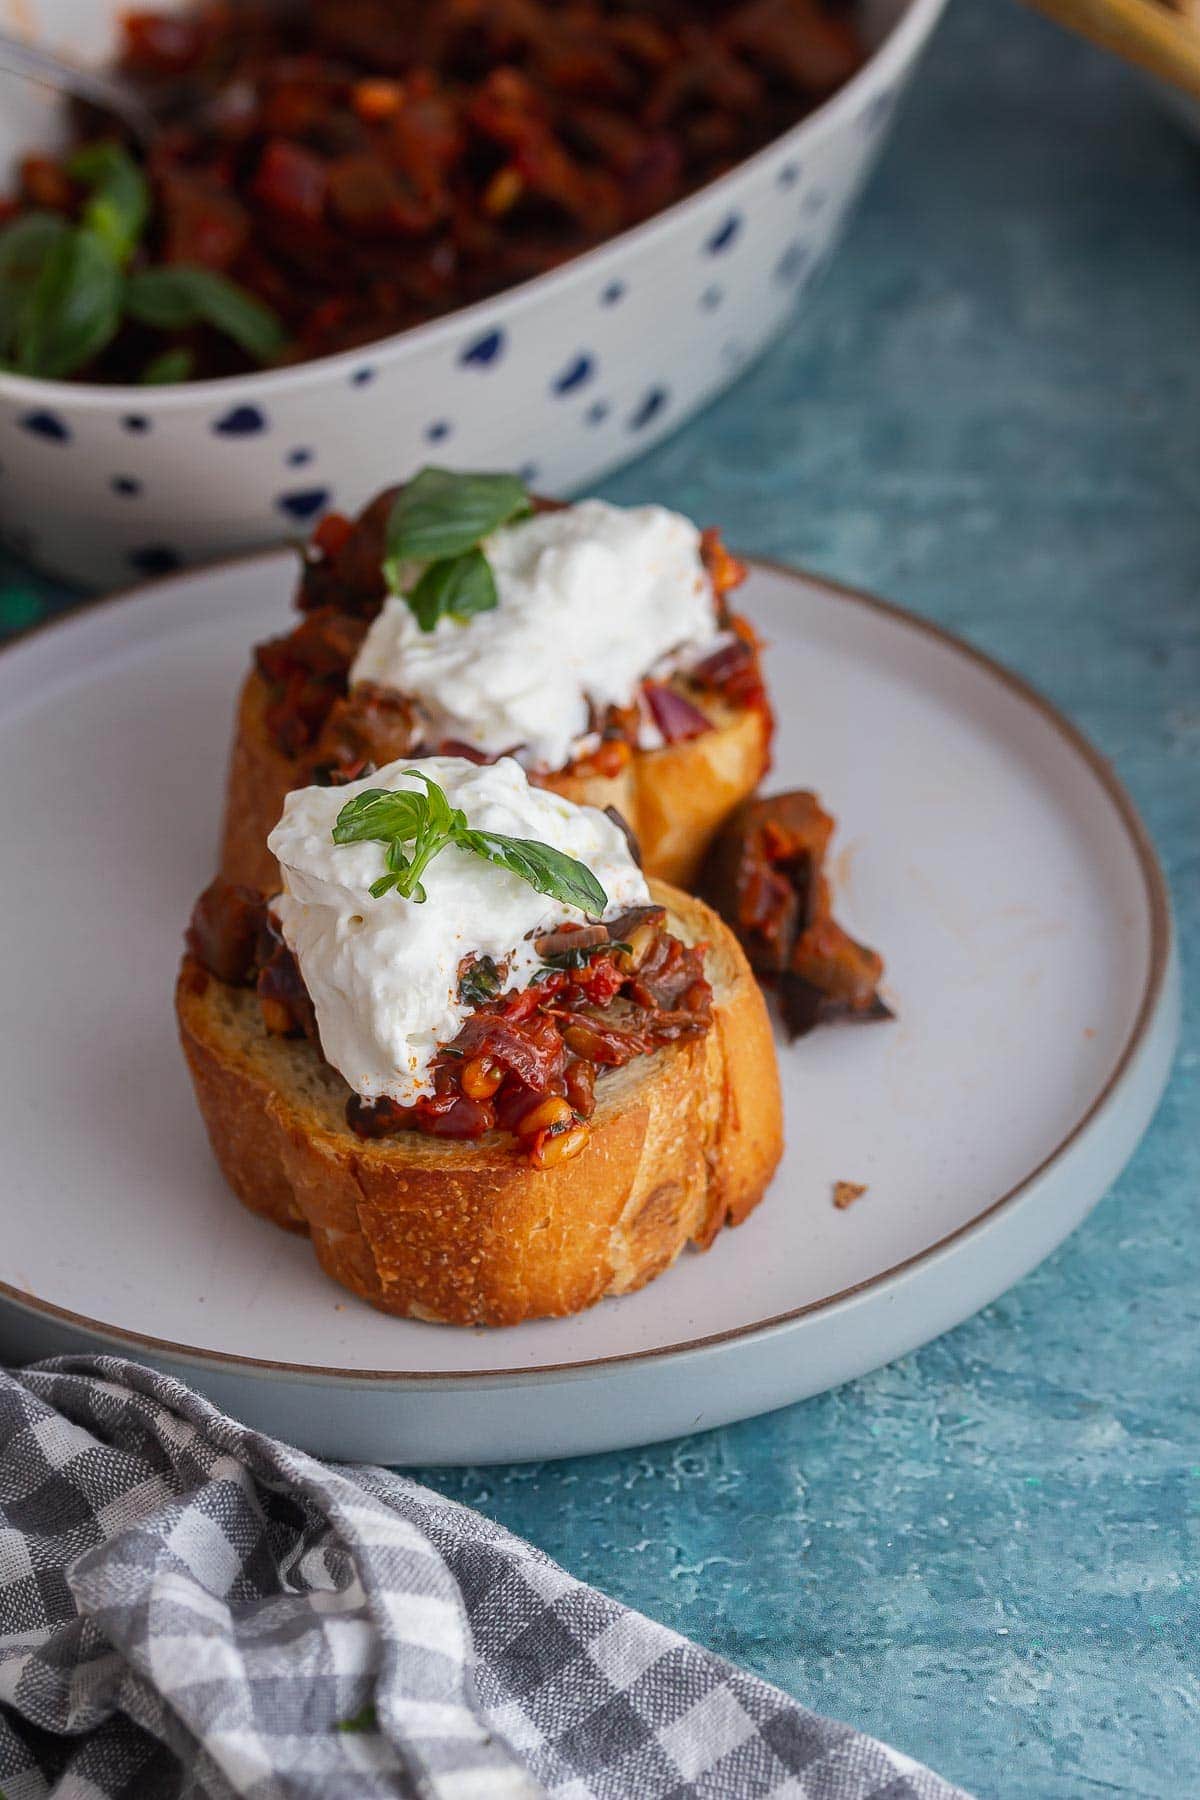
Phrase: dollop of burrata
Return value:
(592, 599)
(383, 973)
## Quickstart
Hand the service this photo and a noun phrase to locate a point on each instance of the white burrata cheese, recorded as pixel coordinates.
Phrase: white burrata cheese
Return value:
(592, 599)
(383, 973)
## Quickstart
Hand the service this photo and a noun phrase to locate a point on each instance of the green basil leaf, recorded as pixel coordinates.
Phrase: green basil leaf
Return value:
(548, 870)
(441, 818)
(457, 588)
(24, 246)
(378, 815)
(428, 822)
(169, 366)
(479, 981)
(443, 513)
(73, 309)
(120, 202)
(579, 959)
(398, 866)
(177, 297)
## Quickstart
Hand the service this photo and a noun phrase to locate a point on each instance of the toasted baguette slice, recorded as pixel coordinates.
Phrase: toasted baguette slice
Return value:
(675, 799)
(682, 1142)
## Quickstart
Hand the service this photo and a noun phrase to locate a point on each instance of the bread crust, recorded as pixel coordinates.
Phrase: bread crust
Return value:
(682, 1143)
(675, 799)
(261, 776)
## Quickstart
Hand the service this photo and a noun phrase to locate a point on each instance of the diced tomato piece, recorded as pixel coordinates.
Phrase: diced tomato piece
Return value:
(455, 1115)
(203, 223)
(291, 181)
(162, 43)
(331, 533)
(609, 758)
(45, 182)
(600, 980)
(726, 571)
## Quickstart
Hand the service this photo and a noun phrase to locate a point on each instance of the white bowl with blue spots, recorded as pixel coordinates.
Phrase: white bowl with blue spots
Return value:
(564, 377)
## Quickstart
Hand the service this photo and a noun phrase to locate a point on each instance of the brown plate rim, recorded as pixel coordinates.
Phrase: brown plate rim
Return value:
(1158, 901)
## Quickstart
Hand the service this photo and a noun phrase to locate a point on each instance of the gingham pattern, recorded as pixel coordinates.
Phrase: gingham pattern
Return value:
(188, 1608)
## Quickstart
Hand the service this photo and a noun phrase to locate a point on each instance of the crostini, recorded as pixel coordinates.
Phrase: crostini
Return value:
(458, 616)
(492, 1071)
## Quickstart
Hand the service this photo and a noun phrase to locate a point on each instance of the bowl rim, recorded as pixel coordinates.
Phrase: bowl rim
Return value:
(899, 47)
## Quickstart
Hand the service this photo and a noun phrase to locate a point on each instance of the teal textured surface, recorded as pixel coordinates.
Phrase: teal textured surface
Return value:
(988, 1553)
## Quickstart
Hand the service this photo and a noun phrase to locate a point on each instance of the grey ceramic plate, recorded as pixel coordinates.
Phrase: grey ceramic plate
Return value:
(983, 845)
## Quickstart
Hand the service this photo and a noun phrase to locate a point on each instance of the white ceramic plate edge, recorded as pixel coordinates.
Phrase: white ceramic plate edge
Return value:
(627, 1401)
(780, 1359)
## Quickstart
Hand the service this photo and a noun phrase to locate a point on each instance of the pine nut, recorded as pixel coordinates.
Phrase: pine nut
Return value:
(377, 99)
(553, 1147)
(551, 1114)
(480, 1078)
(640, 941)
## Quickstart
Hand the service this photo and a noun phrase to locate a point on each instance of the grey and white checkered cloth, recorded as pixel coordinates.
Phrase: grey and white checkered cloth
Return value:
(188, 1608)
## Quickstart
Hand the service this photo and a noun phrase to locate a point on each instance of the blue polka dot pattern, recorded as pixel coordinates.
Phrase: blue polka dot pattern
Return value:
(596, 413)
(296, 459)
(438, 431)
(789, 175)
(792, 264)
(135, 422)
(483, 350)
(361, 377)
(614, 292)
(724, 235)
(877, 111)
(241, 421)
(711, 298)
(305, 503)
(155, 559)
(47, 425)
(574, 375)
(649, 407)
(126, 484)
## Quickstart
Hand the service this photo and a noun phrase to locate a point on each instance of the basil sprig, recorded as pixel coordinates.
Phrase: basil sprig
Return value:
(169, 366)
(459, 586)
(440, 518)
(416, 827)
(119, 203)
(176, 296)
(66, 289)
(24, 247)
(72, 307)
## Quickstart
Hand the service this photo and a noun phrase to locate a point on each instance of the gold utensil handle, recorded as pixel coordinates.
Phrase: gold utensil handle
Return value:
(1142, 31)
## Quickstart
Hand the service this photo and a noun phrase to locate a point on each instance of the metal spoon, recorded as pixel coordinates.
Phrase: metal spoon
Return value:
(108, 92)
